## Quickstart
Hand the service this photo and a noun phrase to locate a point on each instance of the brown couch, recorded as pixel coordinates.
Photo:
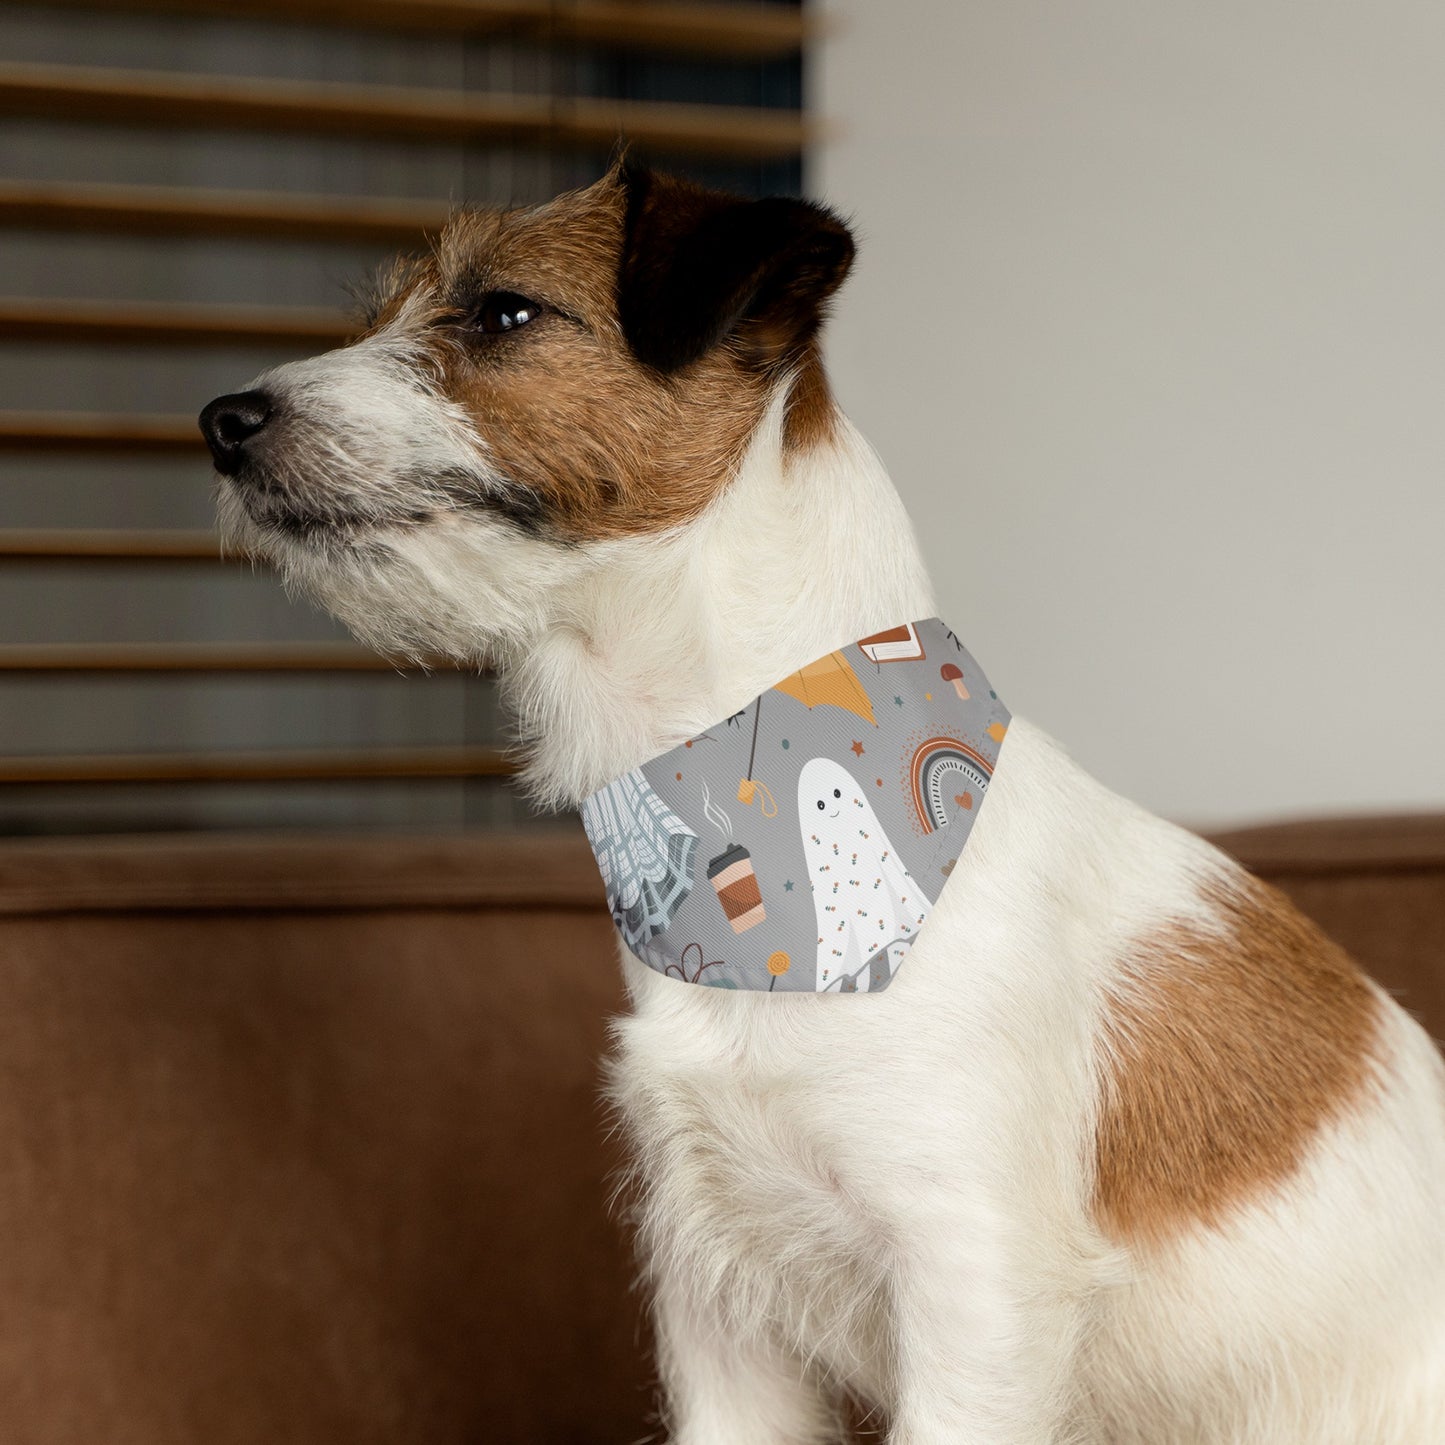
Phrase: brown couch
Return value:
(300, 1140)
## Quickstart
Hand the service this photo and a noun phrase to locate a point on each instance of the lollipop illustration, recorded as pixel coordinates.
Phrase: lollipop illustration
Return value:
(867, 905)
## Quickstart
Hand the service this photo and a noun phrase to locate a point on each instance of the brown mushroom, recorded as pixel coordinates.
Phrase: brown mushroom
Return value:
(949, 673)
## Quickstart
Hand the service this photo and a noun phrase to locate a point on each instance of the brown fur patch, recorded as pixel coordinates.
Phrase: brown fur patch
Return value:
(812, 415)
(1225, 1056)
(597, 443)
(605, 446)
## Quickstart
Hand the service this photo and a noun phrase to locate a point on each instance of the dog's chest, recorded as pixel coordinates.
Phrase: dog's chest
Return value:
(752, 1178)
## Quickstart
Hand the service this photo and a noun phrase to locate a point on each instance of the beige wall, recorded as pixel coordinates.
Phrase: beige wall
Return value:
(1149, 324)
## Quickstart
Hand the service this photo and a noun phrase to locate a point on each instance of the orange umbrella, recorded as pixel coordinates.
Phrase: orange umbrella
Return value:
(829, 680)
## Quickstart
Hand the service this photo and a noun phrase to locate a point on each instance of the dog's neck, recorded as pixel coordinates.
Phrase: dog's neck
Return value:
(659, 637)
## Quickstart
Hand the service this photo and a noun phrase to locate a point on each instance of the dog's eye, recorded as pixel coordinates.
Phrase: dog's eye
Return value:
(836, 793)
(504, 311)
(820, 805)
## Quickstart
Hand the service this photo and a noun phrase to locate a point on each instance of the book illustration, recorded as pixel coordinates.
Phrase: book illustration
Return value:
(896, 644)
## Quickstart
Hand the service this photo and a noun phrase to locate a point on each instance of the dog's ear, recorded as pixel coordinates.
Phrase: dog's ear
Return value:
(699, 266)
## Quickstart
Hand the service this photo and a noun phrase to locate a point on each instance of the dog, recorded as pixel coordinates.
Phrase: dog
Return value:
(1128, 1152)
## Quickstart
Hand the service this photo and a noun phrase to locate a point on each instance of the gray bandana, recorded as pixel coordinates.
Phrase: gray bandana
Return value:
(797, 846)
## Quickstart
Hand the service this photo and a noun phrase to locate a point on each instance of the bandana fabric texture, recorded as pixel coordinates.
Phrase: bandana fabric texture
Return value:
(798, 846)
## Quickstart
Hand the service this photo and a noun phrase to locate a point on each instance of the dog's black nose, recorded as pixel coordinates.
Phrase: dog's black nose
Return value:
(229, 422)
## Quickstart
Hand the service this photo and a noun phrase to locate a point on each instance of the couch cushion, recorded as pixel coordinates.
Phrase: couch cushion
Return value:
(300, 1141)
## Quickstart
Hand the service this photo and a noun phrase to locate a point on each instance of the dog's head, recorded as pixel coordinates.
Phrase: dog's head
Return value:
(573, 376)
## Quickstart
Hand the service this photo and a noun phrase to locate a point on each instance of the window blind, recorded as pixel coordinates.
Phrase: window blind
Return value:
(186, 189)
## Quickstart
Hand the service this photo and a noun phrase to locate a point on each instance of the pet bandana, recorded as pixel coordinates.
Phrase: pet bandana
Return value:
(798, 845)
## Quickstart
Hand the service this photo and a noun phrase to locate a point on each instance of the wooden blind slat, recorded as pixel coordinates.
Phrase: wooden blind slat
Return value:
(714, 29)
(79, 431)
(756, 31)
(226, 103)
(158, 323)
(74, 544)
(258, 767)
(169, 210)
(156, 98)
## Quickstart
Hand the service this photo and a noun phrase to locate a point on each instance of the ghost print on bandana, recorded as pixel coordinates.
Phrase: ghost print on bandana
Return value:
(798, 845)
(868, 910)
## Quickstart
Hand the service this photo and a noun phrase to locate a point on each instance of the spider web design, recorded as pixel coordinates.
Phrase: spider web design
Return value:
(645, 854)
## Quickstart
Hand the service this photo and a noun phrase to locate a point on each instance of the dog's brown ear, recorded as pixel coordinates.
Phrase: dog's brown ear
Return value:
(699, 266)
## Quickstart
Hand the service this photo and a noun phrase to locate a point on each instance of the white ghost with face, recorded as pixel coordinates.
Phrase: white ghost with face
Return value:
(868, 906)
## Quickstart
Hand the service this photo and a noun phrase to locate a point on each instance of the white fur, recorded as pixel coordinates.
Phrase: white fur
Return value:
(890, 1195)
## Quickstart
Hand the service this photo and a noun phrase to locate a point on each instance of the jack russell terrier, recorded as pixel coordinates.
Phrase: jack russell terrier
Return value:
(1083, 1136)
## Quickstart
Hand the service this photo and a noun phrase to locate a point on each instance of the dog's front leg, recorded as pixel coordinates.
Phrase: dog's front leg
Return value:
(985, 1346)
(725, 1386)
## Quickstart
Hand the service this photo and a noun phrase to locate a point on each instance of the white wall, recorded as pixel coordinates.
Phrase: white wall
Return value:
(1149, 324)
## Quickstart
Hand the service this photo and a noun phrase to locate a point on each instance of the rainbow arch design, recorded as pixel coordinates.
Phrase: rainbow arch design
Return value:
(931, 760)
